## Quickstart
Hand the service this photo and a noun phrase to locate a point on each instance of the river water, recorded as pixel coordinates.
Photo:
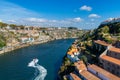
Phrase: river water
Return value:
(14, 65)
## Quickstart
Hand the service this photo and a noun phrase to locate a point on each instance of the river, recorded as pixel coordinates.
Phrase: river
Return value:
(14, 65)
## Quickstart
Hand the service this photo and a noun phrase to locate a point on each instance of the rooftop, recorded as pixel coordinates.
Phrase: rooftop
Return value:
(101, 42)
(72, 51)
(88, 75)
(114, 49)
(74, 76)
(104, 72)
(80, 66)
(110, 59)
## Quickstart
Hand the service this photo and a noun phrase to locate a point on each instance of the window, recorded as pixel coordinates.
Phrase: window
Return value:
(117, 73)
(113, 65)
(108, 68)
(113, 71)
(118, 67)
(115, 54)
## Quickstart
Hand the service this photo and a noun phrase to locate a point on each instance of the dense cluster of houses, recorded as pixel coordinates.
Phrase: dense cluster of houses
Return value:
(73, 53)
(25, 35)
(109, 68)
(110, 59)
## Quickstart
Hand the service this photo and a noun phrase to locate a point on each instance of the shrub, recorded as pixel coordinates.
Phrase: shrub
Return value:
(84, 58)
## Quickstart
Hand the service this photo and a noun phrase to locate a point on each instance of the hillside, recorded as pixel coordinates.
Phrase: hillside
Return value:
(89, 53)
(14, 36)
(109, 33)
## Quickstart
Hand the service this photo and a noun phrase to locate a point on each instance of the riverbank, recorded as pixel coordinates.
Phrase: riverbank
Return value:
(12, 48)
(50, 56)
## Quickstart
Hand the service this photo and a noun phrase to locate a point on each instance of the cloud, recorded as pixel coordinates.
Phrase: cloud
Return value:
(43, 20)
(94, 16)
(11, 21)
(10, 11)
(86, 8)
(14, 14)
(77, 19)
(36, 20)
(53, 21)
(47, 22)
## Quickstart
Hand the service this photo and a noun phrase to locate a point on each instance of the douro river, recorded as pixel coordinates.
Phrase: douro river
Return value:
(19, 64)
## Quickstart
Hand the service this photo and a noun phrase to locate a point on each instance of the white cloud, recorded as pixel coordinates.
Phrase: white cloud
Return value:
(10, 11)
(15, 14)
(86, 8)
(77, 19)
(53, 21)
(11, 21)
(37, 20)
(48, 22)
(43, 20)
(94, 16)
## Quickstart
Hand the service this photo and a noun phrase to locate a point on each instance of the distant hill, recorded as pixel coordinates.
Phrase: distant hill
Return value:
(17, 33)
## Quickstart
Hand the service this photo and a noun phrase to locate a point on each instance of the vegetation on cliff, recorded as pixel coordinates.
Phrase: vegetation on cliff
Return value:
(66, 67)
(2, 41)
(109, 33)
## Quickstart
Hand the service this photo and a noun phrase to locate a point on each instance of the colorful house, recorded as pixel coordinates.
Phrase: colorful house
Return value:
(72, 54)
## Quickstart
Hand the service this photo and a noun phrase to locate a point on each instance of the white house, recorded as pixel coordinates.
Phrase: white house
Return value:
(26, 40)
(73, 54)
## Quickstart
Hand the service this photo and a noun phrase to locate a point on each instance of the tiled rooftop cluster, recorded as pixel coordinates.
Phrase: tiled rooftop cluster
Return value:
(110, 59)
(94, 72)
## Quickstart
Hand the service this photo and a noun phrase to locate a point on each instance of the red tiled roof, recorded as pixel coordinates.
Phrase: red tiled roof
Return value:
(101, 42)
(114, 49)
(73, 50)
(103, 72)
(74, 76)
(110, 59)
(88, 75)
(80, 65)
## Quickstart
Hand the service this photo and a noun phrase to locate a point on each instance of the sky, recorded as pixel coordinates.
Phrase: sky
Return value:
(84, 14)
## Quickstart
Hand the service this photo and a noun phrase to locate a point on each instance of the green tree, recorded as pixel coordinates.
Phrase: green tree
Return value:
(21, 27)
(2, 44)
(84, 58)
(105, 29)
(13, 26)
(2, 25)
(2, 41)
